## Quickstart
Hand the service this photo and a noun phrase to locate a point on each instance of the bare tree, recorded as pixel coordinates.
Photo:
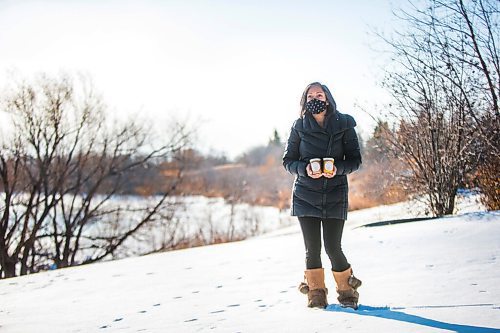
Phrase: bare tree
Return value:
(445, 82)
(60, 171)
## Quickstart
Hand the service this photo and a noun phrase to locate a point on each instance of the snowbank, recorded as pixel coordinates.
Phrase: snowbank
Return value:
(432, 276)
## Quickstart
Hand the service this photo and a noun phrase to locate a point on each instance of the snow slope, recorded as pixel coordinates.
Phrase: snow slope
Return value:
(439, 275)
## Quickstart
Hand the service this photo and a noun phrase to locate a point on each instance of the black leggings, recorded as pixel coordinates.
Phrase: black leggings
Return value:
(332, 236)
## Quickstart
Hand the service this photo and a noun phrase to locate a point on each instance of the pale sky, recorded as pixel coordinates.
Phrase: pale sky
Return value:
(235, 68)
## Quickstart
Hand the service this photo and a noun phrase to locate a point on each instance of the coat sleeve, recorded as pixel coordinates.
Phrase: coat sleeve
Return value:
(291, 156)
(352, 155)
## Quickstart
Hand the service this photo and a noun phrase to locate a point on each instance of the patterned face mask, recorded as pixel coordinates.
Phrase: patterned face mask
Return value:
(315, 106)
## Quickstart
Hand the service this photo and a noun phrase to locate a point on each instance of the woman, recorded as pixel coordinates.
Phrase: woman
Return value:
(320, 200)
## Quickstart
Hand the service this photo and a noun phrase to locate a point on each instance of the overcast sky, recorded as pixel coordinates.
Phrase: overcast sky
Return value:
(235, 68)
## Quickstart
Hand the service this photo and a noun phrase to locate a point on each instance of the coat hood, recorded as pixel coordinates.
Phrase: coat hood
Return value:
(332, 105)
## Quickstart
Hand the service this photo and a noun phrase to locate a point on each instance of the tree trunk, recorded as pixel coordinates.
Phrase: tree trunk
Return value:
(8, 267)
(451, 202)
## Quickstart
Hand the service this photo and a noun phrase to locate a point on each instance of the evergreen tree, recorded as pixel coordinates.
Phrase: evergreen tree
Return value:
(275, 140)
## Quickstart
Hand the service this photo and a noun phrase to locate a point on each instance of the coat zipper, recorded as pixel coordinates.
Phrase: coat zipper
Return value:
(326, 179)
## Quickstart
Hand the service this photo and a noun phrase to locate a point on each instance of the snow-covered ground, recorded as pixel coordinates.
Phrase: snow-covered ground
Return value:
(466, 201)
(440, 275)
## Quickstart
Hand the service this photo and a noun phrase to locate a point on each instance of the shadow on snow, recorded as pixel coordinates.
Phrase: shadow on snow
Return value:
(389, 313)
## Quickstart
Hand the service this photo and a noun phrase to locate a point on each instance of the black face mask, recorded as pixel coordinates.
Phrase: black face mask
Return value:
(315, 106)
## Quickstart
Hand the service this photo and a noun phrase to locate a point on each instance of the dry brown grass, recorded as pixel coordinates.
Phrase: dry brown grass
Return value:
(375, 185)
(271, 185)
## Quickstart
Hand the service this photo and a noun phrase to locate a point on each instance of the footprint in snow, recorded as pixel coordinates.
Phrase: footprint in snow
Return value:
(190, 320)
(233, 305)
(157, 304)
(218, 311)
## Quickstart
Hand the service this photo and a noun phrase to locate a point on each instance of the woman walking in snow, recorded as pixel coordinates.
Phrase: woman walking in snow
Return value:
(320, 196)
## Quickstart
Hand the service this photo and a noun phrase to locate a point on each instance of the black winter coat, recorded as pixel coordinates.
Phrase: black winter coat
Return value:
(322, 197)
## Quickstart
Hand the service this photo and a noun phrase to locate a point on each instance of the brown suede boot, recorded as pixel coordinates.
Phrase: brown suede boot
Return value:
(315, 288)
(347, 285)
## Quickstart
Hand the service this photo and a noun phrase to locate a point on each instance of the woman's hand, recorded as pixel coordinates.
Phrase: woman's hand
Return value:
(332, 174)
(310, 173)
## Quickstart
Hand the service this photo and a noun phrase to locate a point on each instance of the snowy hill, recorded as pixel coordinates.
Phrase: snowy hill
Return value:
(440, 275)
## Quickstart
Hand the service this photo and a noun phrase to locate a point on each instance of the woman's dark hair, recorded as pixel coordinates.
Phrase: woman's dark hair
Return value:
(330, 108)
